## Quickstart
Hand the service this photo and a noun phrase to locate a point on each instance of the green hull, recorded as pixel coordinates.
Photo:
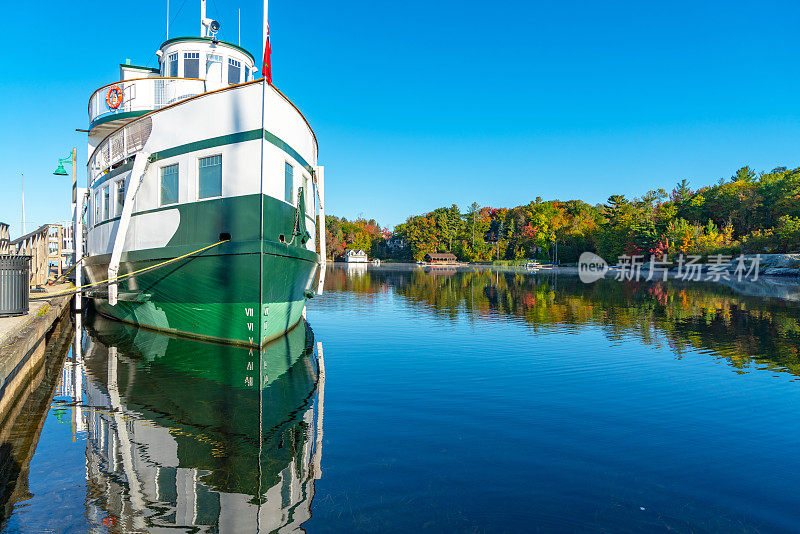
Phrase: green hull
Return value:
(211, 391)
(216, 295)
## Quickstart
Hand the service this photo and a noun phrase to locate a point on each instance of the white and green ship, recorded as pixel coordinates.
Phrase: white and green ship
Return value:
(194, 153)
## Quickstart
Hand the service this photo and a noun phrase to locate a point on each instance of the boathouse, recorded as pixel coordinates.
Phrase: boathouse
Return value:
(355, 256)
(440, 257)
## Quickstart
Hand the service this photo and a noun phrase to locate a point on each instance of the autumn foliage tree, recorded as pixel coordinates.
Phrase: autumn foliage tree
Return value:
(748, 212)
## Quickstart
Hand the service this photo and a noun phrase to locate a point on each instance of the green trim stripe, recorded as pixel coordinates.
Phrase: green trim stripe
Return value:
(229, 139)
(112, 116)
(280, 143)
(194, 146)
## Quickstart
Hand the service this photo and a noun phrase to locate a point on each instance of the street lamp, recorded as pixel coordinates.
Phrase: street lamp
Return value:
(77, 212)
(60, 170)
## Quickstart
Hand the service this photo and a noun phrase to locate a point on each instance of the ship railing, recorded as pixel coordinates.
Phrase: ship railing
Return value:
(142, 94)
(120, 145)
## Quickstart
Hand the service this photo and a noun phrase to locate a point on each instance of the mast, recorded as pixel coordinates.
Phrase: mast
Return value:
(202, 18)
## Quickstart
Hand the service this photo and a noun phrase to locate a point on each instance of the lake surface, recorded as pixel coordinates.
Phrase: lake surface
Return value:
(452, 401)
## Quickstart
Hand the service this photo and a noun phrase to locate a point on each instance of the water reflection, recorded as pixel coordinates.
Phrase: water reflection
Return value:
(25, 396)
(727, 322)
(188, 434)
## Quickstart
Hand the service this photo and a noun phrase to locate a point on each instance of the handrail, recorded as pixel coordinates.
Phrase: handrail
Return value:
(88, 104)
(228, 88)
(121, 144)
(145, 94)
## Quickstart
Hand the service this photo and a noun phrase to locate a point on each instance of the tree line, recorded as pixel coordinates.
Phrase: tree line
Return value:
(748, 213)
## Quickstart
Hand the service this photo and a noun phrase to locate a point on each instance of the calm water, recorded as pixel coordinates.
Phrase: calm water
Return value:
(451, 402)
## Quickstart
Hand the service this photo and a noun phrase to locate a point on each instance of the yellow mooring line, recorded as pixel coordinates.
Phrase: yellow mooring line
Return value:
(127, 275)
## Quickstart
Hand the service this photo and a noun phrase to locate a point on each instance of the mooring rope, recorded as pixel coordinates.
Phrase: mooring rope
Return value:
(53, 282)
(75, 290)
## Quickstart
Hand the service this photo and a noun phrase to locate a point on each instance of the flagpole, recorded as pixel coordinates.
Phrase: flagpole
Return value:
(265, 28)
(265, 36)
(261, 315)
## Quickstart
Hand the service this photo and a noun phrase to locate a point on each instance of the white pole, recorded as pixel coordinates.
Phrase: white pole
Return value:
(76, 227)
(322, 232)
(261, 196)
(77, 241)
(316, 460)
(202, 18)
(265, 29)
(168, 20)
(78, 383)
(23, 203)
(240, 27)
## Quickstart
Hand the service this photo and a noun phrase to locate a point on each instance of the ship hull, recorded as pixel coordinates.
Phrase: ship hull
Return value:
(242, 291)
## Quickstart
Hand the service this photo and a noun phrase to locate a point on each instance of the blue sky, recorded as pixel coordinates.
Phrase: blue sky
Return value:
(422, 104)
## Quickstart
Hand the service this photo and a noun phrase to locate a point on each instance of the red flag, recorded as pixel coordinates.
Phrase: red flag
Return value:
(267, 69)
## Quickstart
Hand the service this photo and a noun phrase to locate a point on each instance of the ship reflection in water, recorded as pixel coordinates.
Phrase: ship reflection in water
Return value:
(188, 434)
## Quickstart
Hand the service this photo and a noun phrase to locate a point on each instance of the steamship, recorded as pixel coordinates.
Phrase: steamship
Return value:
(203, 195)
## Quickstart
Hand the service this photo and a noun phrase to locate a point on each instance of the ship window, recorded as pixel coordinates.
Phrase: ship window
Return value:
(234, 71)
(213, 68)
(106, 203)
(191, 64)
(210, 177)
(97, 207)
(288, 183)
(314, 197)
(120, 197)
(173, 65)
(307, 193)
(169, 184)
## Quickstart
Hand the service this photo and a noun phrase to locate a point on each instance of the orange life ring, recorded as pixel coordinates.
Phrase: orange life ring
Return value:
(114, 97)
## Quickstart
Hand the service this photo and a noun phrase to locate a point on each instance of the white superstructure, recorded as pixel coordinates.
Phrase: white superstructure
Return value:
(194, 155)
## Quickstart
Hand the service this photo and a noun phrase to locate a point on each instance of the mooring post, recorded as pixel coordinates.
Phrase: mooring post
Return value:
(77, 242)
(317, 459)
